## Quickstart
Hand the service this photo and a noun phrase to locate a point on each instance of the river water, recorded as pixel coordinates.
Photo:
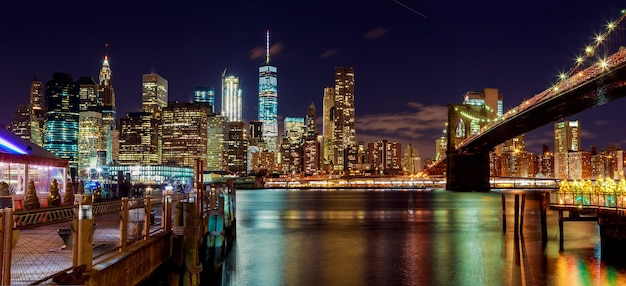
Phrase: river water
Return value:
(410, 237)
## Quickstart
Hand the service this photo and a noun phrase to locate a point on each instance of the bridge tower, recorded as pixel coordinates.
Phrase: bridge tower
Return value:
(466, 170)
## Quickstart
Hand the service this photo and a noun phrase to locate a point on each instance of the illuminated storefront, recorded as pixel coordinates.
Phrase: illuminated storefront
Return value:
(21, 161)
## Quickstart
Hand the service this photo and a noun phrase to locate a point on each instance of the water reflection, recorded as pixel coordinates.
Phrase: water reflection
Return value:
(405, 238)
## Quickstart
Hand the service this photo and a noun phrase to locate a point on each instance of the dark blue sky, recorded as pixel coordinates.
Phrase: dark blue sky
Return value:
(411, 58)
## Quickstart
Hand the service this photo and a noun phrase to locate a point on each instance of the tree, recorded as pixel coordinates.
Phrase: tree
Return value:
(68, 199)
(54, 199)
(31, 201)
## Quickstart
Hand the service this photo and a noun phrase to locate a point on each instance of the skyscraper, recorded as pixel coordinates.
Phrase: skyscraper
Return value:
(88, 93)
(205, 95)
(344, 133)
(139, 140)
(90, 142)
(309, 121)
(294, 129)
(61, 119)
(106, 100)
(216, 143)
(268, 99)
(566, 136)
(328, 110)
(37, 103)
(231, 98)
(154, 94)
(184, 133)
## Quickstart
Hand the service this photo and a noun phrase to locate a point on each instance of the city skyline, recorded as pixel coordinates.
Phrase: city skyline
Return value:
(397, 55)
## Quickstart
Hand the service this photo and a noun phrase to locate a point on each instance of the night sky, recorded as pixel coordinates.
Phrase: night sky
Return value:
(411, 58)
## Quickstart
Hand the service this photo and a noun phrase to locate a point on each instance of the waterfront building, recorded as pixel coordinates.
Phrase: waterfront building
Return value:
(566, 136)
(216, 139)
(236, 150)
(411, 162)
(138, 139)
(22, 161)
(268, 99)
(328, 109)
(294, 129)
(185, 133)
(344, 133)
(290, 158)
(545, 164)
(579, 165)
(106, 100)
(91, 142)
(231, 98)
(263, 160)
(385, 157)
(205, 95)
(311, 159)
(61, 119)
(163, 177)
(154, 94)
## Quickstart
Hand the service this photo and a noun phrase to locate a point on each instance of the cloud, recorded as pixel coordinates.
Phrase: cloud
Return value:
(424, 121)
(258, 52)
(601, 122)
(375, 33)
(328, 53)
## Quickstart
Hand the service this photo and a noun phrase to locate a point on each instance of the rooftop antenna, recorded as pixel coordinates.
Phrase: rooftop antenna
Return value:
(267, 47)
(106, 51)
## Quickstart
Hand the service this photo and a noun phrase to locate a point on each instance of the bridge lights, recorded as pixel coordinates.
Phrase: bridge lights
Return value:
(589, 50)
(604, 64)
(599, 38)
(579, 59)
(610, 26)
(562, 76)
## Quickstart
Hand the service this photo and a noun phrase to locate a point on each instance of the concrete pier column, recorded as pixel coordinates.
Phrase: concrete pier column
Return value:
(468, 172)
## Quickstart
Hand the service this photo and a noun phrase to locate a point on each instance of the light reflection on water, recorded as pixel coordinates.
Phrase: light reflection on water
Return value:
(352, 237)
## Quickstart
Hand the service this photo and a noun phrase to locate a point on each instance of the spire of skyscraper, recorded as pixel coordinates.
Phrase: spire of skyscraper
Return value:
(267, 47)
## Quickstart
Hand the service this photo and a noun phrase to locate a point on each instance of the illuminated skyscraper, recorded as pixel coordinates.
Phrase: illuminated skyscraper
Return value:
(88, 93)
(106, 100)
(205, 95)
(231, 98)
(154, 94)
(489, 97)
(25, 125)
(184, 133)
(344, 133)
(37, 102)
(90, 142)
(309, 122)
(328, 109)
(61, 119)
(294, 129)
(138, 139)
(268, 99)
(566, 136)
(216, 143)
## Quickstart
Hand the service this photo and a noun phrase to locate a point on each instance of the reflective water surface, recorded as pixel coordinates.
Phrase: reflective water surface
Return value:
(416, 237)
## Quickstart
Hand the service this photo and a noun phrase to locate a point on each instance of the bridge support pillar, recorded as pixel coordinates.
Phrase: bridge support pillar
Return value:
(468, 172)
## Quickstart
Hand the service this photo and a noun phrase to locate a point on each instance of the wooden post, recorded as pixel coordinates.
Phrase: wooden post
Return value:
(124, 224)
(3, 231)
(177, 245)
(543, 209)
(521, 220)
(148, 209)
(191, 275)
(85, 233)
(503, 213)
(516, 215)
(560, 230)
(166, 214)
(8, 243)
